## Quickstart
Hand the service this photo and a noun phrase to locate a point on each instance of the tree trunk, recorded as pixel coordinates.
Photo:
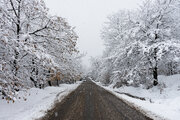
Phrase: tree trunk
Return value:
(15, 62)
(49, 82)
(57, 82)
(155, 69)
(17, 13)
(35, 82)
(155, 76)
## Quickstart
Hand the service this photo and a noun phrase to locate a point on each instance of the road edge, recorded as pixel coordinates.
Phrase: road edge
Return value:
(145, 112)
(57, 100)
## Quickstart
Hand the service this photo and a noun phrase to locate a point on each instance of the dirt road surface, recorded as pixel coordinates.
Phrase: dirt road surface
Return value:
(91, 102)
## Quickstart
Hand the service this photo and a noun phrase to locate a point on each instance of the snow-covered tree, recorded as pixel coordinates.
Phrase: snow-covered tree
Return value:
(156, 26)
(34, 45)
(142, 44)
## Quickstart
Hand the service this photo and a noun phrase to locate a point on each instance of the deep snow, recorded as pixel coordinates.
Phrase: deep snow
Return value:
(162, 102)
(36, 102)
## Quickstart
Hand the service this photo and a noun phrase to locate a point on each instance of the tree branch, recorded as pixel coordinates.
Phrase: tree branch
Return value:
(13, 8)
(40, 29)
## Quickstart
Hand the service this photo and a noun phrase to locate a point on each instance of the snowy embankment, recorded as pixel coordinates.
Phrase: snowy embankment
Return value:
(35, 103)
(158, 102)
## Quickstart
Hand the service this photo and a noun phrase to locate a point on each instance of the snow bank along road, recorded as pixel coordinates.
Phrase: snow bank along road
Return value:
(91, 102)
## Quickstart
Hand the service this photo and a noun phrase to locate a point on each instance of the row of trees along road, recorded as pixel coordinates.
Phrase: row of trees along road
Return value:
(35, 47)
(140, 45)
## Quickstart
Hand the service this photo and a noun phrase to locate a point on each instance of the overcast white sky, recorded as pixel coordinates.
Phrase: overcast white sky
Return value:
(88, 17)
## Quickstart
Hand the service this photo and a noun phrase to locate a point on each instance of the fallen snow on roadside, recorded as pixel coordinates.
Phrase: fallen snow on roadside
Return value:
(162, 102)
(38, 101)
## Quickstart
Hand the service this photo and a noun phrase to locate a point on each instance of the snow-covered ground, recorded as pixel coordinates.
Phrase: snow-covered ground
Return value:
(36, 102)
(161, 102)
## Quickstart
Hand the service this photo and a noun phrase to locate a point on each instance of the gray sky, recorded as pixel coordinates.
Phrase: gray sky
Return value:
(88, 17)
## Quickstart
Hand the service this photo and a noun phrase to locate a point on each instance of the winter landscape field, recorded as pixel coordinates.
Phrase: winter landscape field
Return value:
(90, 60)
